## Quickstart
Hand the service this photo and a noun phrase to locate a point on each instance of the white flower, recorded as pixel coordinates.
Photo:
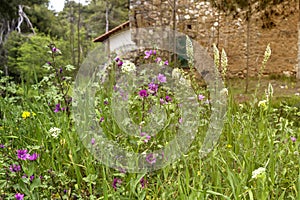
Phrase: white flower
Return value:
(258, 171)
(128, 67)
(176, 73)
(224, 92)
(54, 132)
(262, 104)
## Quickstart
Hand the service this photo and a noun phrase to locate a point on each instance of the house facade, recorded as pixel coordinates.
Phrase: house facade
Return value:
(244, 41)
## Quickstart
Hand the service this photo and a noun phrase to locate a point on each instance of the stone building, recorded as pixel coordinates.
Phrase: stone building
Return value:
(208, 25)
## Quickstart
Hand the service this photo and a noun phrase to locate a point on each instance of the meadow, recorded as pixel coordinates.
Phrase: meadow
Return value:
(44, 157)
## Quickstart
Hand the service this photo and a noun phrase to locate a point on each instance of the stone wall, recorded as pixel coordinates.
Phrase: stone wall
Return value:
(207, 25)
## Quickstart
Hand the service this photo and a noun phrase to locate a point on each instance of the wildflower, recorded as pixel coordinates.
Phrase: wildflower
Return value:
(166, 62)
(161, 78)
(54, 49)
(153, 87)
(25, 114)
(24, 176)
(143, 93)
(19, 196)
(101, 119)
(258, 172)
(224, 92)
(176, 73)
(150, 158)
(180, 120)
(154, 52)
(143, 182)
(293, 139)
(2, 146)
(116, 182)
(148, 54)
(93, 141)
(147, 137)
(60, 70)
(117, 59)
(229, 146)
(158, 59)
(22, 154)
(263, 104)
(31, 178)
(54, 131)
(57, 108)
(105, 102)
(168, 98)
(33, 157)
(201, 97)
(162, 101)
(120, 63)
(15, 168)
(128, 67)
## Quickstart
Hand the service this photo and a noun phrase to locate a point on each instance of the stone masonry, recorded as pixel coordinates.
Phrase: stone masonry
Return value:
(207, 25)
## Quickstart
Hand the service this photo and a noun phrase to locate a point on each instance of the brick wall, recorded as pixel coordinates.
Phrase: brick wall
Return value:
(207, 25)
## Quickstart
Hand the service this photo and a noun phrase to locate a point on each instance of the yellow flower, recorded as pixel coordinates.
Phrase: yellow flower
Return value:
(33, 114)
(229, 146)
(25, 114)
(198, 173)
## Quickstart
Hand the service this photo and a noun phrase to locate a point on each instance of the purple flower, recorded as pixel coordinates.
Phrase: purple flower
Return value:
(161, 78)
(33, 156)
(120, 63)
(162, 101)
(201, 97)
(2, 146)
(148, 54)
(166, 62)
(54, 49)
(150, 158)
(168, 98)
(117, 59)
(93, 141)
(19, 196)
(57, 108)
(158, 59)
(154, 52)
(31, 178)
(22, 154)
(147, 137)
(49, 63)
(105, 102)
(180, 120)
(15, 168)
(143, 182)
(101, 119)
(24, 176)
(293, 139)
(116, 183)
(122, 170)
(153, 87)
(143, 93)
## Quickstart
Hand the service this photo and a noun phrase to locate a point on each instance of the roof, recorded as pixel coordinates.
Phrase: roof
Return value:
(103, 37)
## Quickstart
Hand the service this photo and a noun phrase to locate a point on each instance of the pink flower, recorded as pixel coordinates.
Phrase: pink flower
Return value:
(161, 78)
(293, 139)
(148, 54)
(19, 196)
(33, 156)
(143, 93)
(168, 98)
(116, 182)
(150, 158)
(147, 137)
(201, 97)
(166, 62)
